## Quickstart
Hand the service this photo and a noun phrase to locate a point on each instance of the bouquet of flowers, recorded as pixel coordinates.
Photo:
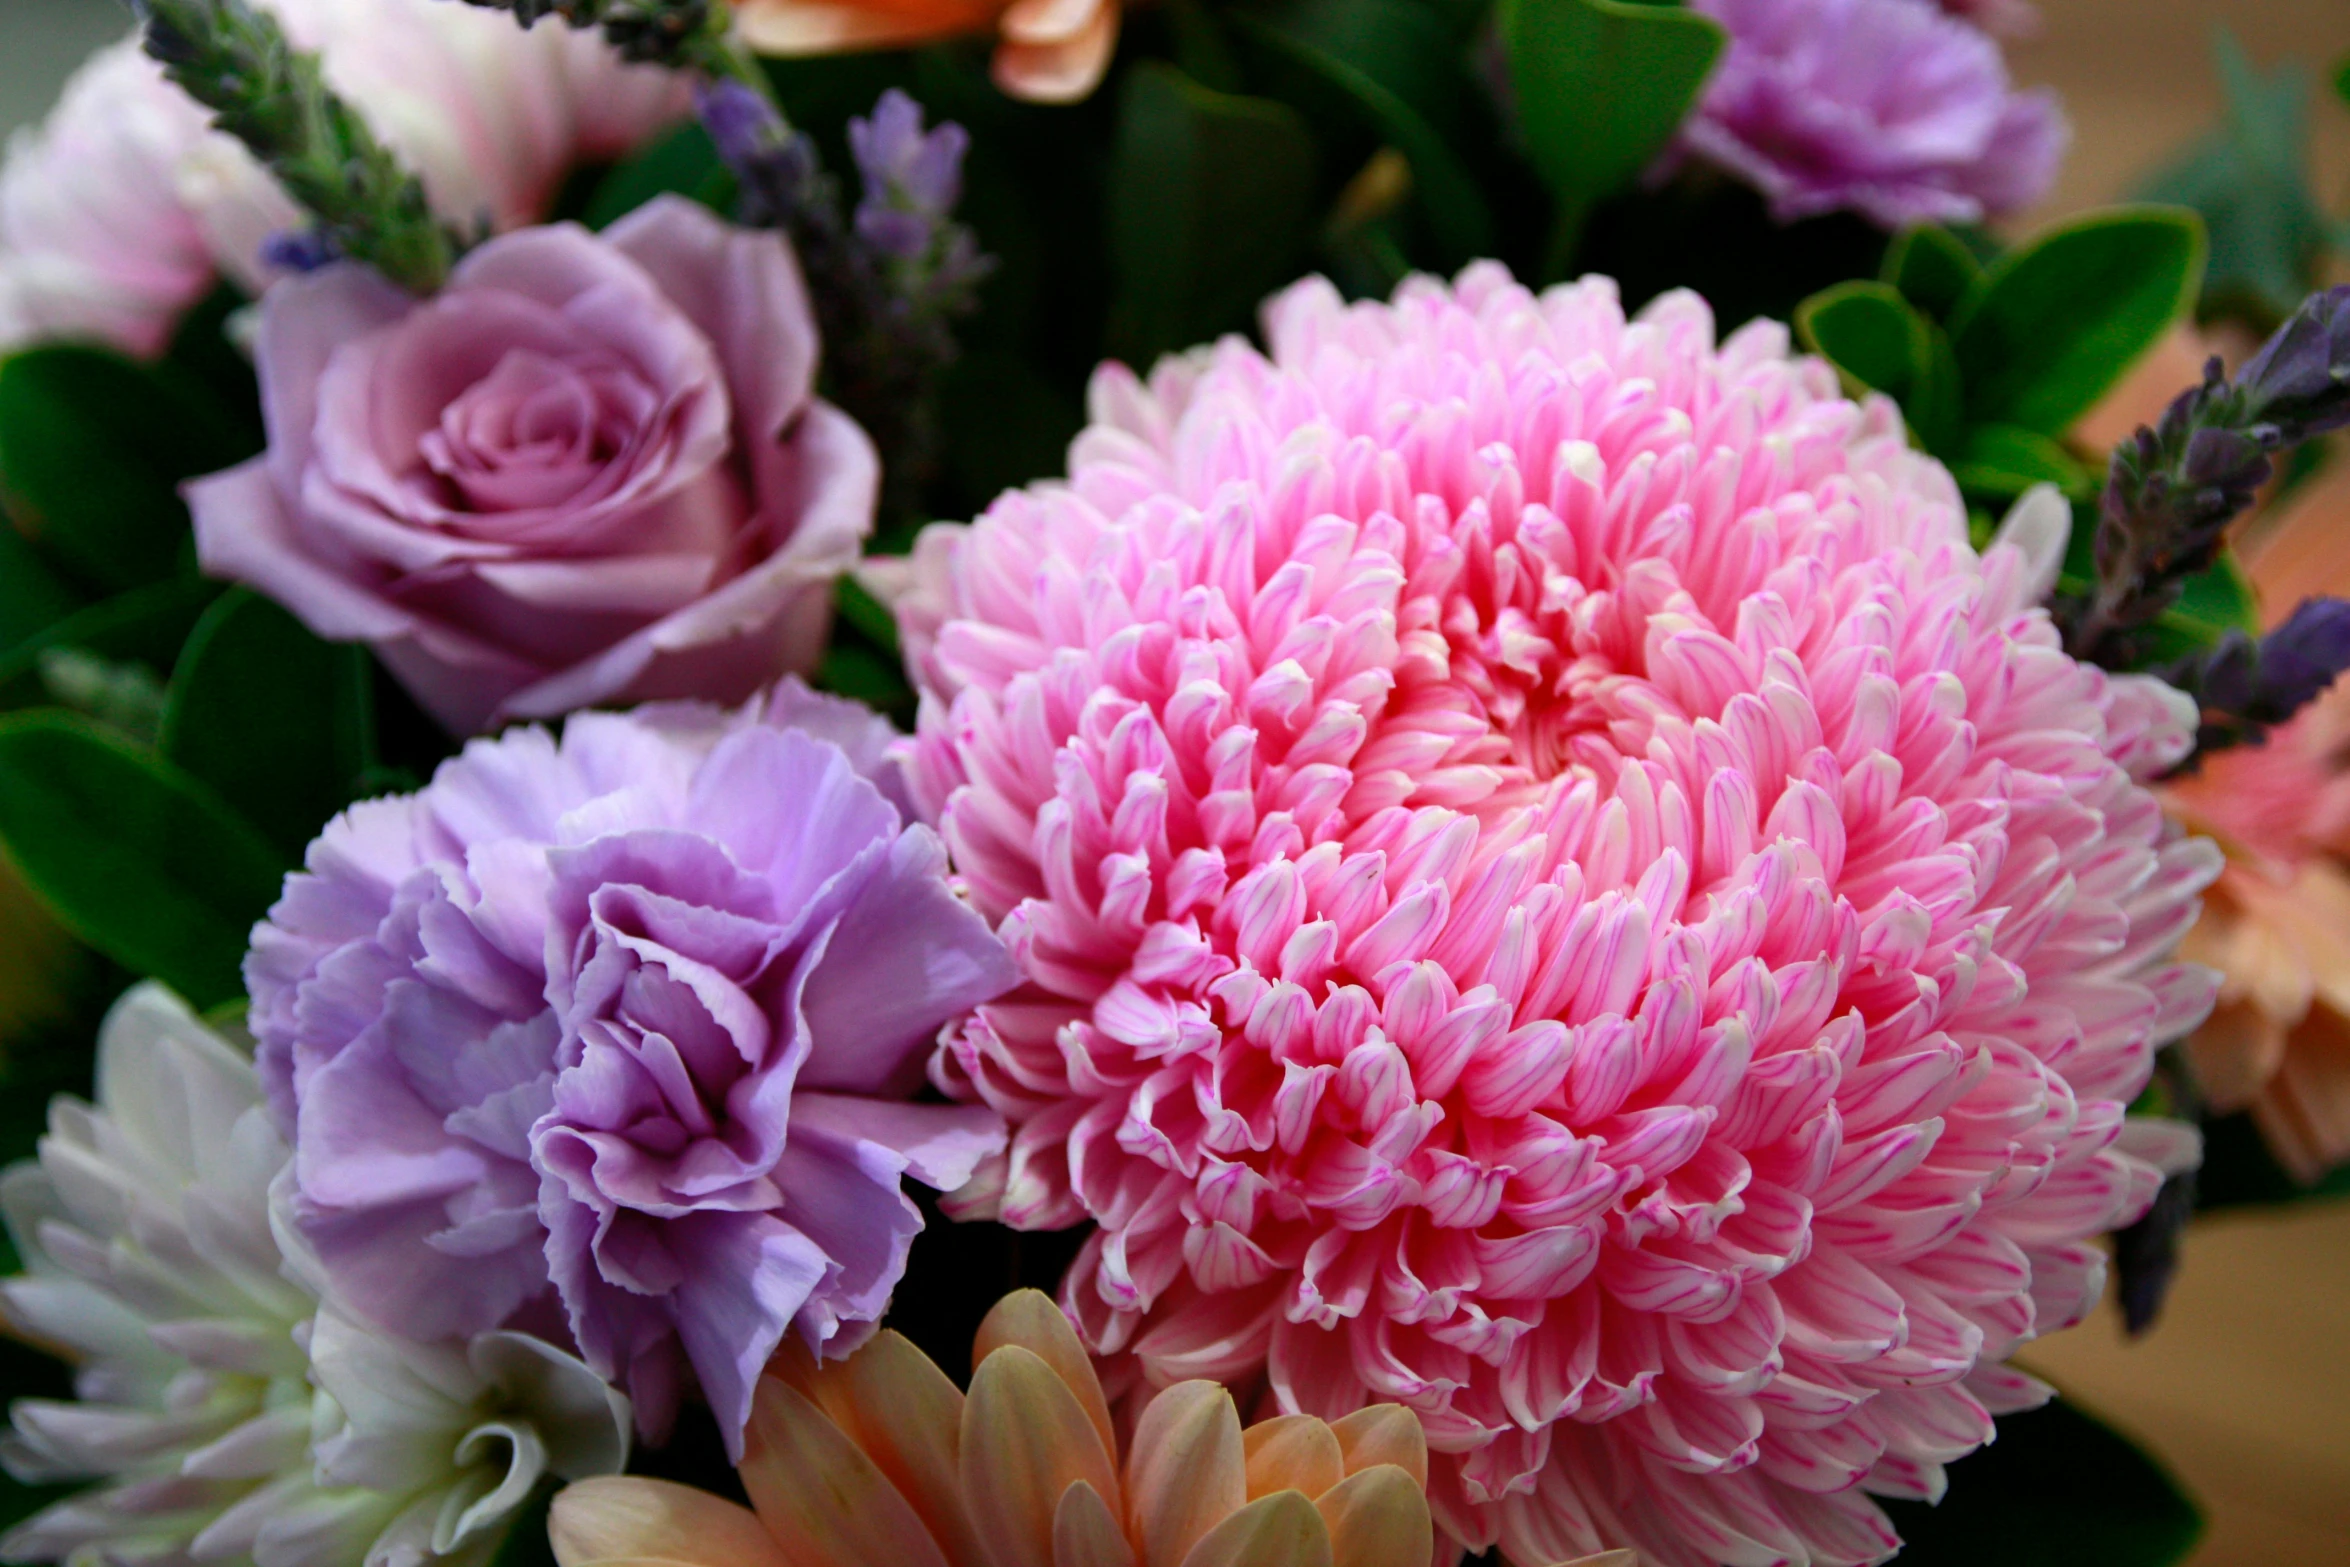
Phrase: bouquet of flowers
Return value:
(918, 783)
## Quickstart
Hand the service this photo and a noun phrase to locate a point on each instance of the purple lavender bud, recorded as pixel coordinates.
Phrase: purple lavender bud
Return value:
(2297, 381)
(2300, 658)
(743, 124)
(297, 250)
(905, 167)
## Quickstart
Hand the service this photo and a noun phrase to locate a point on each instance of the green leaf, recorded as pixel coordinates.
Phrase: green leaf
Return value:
(2250, 181)
(2048, 329)
(2060, 1488)
(146, 626)
(1877, 342)
(279, 722)
(32, 597)
(2002, 461)
(1932, 268)
(1601, 86)
(871, 618)
(92, 451)
(1400, 69)
(1209, 209)
(138, 859)
(2211, 604)
(683, 163)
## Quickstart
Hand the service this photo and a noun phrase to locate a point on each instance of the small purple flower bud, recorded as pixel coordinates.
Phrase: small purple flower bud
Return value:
(2300, 380)
(744, 125)
(2302, 657)
(297, 250)
(905, 167)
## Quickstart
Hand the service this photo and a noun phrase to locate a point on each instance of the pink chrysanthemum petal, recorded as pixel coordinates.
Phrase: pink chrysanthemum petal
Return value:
(1556, 888)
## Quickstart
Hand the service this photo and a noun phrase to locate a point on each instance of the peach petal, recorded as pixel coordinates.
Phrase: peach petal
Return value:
(1062, 72)
(1025, 1440)
(1048, 21)
(1030, 1319)
(1281, 1530)
(1186, 1472)
(1291, 1453)
(824, 1501)
(1086, 1534)
(908, 1418)
(1378, 1518)
(623, 1518)
(1383, 1434)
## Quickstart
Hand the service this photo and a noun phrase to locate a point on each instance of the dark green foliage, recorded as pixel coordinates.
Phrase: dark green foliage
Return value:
(93, 449)
(2059, 1488)
(139, 859)
(281, 724)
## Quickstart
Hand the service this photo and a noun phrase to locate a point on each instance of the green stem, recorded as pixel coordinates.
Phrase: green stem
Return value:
(236, 61)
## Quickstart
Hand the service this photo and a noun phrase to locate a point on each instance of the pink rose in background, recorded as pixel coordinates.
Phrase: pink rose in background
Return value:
(591, 470)
(124, 207)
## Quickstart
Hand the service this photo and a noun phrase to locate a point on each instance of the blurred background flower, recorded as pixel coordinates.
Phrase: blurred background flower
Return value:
(122, 208)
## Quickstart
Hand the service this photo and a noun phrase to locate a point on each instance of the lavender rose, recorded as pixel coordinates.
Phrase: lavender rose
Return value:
(590, 470)
(633, 1015)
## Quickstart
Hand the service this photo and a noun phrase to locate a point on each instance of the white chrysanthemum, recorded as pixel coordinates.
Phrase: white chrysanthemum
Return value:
(227, 1412)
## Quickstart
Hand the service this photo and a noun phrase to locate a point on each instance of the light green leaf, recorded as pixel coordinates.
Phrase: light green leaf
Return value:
(1210, 209)
(1932, 268)
(2002, 461)
(280, 723)
(1878, 343)
(1601, 85)
(2049, 328)
(137, 858)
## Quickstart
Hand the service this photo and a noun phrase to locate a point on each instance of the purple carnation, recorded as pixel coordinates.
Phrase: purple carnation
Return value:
(632, 1015)
(1890, 108)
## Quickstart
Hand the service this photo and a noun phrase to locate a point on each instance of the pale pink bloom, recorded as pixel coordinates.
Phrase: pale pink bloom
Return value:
(124, 208)
(1558, 890)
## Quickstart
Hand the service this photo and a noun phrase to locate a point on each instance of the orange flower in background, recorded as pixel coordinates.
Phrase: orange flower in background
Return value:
(1052, 51)
(878, 1461)
(2277, 922)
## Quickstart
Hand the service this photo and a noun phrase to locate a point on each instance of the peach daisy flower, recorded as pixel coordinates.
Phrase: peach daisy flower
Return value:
(1051, 51)
(877, 1461)
(2277, 922)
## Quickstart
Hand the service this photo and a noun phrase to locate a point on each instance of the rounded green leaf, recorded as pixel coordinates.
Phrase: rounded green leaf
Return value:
(137, 858)
(1210, 207)
(2050, 328)
(92, 451)
(1601, 86)
(277, 721)
(1931, 267)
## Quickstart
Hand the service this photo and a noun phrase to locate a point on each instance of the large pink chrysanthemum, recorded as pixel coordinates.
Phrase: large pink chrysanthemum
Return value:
(1555, 887)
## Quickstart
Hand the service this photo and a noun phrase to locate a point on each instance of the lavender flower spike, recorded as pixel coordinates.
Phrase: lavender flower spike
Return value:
(912, 179)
